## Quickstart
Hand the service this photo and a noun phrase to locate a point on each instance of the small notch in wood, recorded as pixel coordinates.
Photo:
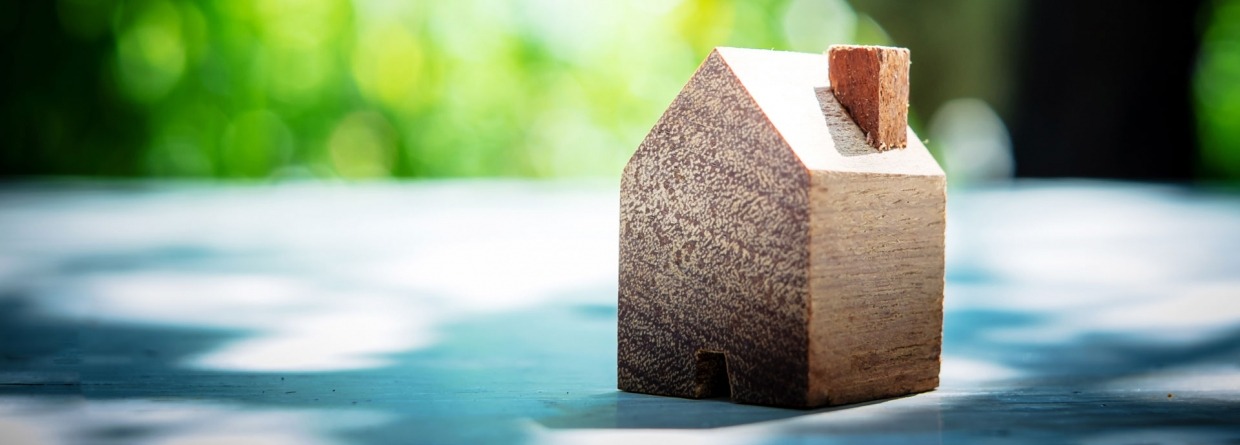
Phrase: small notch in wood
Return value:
(871, 82)
(711, 375)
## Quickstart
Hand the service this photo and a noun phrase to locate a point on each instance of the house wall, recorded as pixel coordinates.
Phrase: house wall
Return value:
(876, 285)
(714, 225)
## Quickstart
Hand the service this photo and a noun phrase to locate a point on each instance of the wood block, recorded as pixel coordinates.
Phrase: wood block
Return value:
(769, 254)
(872, 84)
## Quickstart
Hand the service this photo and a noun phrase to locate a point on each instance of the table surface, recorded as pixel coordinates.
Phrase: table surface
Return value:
(484, 312)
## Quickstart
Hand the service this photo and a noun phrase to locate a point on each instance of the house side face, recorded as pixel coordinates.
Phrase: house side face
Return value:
(876, 285)
(713, 253)
(876, 268)
(875, 240)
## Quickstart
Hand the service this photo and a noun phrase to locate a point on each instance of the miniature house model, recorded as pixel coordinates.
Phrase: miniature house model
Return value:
(769, 252)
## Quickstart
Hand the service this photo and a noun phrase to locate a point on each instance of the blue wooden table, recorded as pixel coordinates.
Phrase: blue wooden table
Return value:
(484, 312)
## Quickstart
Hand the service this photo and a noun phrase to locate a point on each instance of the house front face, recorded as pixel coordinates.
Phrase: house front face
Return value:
(713, 258)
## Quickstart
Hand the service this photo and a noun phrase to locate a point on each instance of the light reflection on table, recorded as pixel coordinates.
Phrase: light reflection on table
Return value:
(466, 312)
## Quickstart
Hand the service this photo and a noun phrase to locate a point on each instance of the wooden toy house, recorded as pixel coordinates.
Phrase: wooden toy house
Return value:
(768, 251)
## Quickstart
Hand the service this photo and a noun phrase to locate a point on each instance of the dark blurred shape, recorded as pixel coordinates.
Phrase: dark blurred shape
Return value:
(1104, 90)
(57, 116)
(960, 48)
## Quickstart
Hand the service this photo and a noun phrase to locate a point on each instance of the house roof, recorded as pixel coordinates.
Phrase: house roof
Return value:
(792, 91)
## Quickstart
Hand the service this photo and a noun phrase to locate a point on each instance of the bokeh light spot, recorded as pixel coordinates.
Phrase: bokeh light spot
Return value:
(302, 24)
(254, 144)
(813, 25)
(1218, 92)
(972, 141)
(150, 53)
(363, 145)
(387, 63)
(296, 76)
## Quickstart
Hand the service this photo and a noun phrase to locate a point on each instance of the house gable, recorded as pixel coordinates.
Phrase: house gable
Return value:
(713, 257)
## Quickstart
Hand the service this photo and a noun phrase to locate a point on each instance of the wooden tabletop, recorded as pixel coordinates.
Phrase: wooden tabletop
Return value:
(484, 312)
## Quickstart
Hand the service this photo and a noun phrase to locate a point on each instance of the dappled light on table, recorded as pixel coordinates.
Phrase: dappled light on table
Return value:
(467, 312)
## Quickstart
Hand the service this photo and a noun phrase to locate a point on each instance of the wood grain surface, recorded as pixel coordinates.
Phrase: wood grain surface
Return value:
(872, 84)
(876, 285)
(714, 224)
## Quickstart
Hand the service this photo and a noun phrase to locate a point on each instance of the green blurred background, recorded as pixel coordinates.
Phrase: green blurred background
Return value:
(469, 88)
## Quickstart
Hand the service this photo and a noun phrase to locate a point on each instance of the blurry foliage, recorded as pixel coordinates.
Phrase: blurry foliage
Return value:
(1218, 92)
(333, 88)
(380, 88)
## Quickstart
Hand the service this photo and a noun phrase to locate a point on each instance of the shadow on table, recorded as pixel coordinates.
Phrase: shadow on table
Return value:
(630, 410)
(545, 364)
